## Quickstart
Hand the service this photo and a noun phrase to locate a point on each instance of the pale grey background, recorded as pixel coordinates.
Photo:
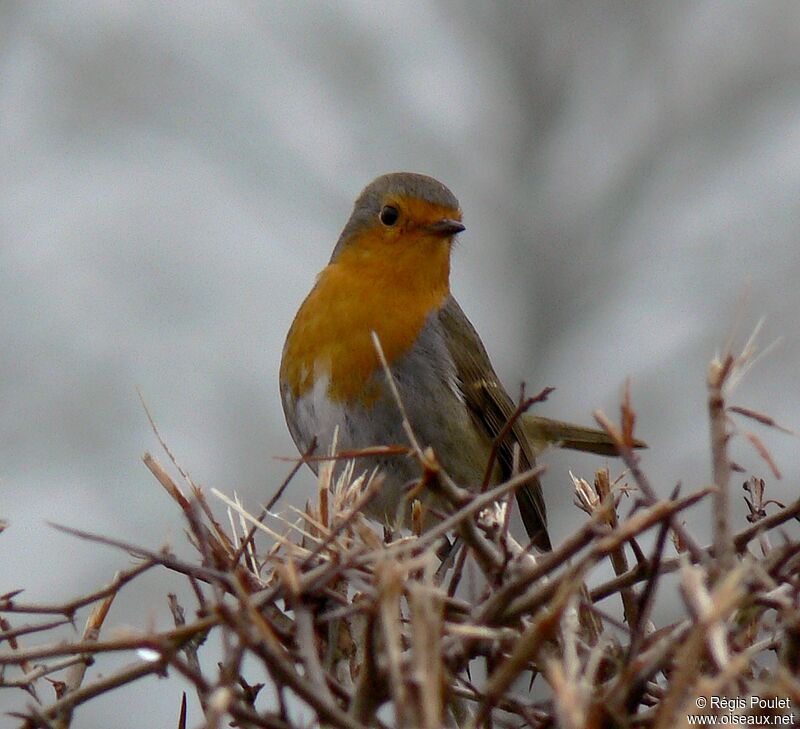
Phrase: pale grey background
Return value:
(175, 174)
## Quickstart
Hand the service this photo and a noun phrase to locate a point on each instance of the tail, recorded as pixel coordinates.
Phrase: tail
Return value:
(543, 432)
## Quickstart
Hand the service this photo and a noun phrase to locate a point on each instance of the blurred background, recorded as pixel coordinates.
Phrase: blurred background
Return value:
(175, 174)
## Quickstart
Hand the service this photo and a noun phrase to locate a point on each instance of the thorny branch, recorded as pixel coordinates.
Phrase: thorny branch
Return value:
(320, 617)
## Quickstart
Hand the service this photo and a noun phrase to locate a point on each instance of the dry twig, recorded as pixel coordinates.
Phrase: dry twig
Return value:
(344, 623)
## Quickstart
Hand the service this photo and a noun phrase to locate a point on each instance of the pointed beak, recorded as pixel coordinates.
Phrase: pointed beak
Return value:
(445, 227)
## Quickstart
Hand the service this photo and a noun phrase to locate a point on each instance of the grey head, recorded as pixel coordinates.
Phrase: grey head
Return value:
(390, 188)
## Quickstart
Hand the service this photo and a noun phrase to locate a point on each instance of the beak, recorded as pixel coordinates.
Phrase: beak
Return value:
(445, 227)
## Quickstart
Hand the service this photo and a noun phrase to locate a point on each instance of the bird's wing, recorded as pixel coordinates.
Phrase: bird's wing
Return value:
(491, 407)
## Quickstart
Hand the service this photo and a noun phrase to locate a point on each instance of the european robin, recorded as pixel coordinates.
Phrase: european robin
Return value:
(389, 274)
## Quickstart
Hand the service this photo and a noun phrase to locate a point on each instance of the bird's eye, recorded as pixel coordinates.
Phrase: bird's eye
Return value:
(389, 215)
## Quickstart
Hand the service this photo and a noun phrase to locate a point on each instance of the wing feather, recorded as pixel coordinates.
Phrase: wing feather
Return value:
(491, 407)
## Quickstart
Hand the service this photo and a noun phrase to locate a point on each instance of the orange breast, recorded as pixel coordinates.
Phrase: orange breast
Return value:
(368, 288)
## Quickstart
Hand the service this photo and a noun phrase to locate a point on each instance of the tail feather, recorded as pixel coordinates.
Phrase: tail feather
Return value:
(544, 432)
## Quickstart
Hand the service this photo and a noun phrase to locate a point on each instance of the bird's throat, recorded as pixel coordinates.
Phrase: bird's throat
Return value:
(355, 296)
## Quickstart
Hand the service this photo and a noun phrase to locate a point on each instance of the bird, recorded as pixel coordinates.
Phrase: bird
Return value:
(389, 273)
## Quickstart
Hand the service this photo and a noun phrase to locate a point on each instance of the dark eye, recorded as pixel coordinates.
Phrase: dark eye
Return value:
(389, 215)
